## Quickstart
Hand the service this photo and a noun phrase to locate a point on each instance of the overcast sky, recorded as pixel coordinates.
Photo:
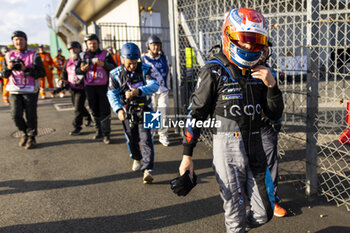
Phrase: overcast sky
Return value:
(28, 16)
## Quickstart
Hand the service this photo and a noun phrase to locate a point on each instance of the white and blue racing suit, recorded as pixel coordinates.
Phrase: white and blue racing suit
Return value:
(160, 99)
(121, 81)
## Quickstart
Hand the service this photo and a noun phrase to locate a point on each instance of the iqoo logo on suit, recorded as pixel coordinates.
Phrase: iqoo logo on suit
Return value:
(248, 110)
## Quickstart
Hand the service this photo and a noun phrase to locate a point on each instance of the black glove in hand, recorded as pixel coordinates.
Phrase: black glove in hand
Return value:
(182, 185)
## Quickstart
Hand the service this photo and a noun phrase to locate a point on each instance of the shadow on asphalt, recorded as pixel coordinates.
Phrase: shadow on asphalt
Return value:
(22, 186)
(141, 221)
(199, 179)
(173, 143)
(117, 135)
(5, 108)
(293, 199)
(76, 141)
(333, 229)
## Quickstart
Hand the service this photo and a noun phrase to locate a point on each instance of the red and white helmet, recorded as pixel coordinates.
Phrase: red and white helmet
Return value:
(245, 25)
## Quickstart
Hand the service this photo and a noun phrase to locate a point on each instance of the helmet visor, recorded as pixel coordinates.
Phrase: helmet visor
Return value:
(250, 37)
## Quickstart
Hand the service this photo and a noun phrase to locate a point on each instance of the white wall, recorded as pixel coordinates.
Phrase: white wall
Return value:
(126, 12)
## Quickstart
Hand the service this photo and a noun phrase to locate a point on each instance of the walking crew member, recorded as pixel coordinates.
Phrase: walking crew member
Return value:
(23, 68)
(5, 94)
(115, 56)
(159, 62)
(233, 90)
(48, 66)
(95, 64)
(59, 62)
(76, 87)
(130, 88)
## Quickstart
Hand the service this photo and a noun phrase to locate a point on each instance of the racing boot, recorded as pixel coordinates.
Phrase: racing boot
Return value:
(279, 211)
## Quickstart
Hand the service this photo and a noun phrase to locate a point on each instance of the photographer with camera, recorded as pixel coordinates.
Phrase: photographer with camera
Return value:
(23, 68)
(130, 88)
(95, 64)
(70, 80)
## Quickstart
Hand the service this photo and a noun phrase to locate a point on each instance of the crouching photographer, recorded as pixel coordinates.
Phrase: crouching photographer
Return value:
(70, 80)
(130, 88)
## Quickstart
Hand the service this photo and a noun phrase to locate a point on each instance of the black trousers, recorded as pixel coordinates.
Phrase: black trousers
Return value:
(78, 101)
(25, 103)
(100, 108)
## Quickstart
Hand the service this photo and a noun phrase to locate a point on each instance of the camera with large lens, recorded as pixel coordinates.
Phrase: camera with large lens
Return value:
(89, 59)
(134, 112)
(64, 86)
(79, 81)
(17, 64)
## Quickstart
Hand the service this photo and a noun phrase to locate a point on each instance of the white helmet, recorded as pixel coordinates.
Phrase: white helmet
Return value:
(245, 25)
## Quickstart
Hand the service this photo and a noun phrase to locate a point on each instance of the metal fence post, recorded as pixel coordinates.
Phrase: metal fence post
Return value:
(313, 16)
(173, 28)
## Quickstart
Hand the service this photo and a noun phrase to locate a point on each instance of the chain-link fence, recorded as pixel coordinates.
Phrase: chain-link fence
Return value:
(115, 35)
(311, 54)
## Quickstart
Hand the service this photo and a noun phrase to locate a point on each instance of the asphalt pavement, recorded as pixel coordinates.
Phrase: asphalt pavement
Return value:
(75, 184)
